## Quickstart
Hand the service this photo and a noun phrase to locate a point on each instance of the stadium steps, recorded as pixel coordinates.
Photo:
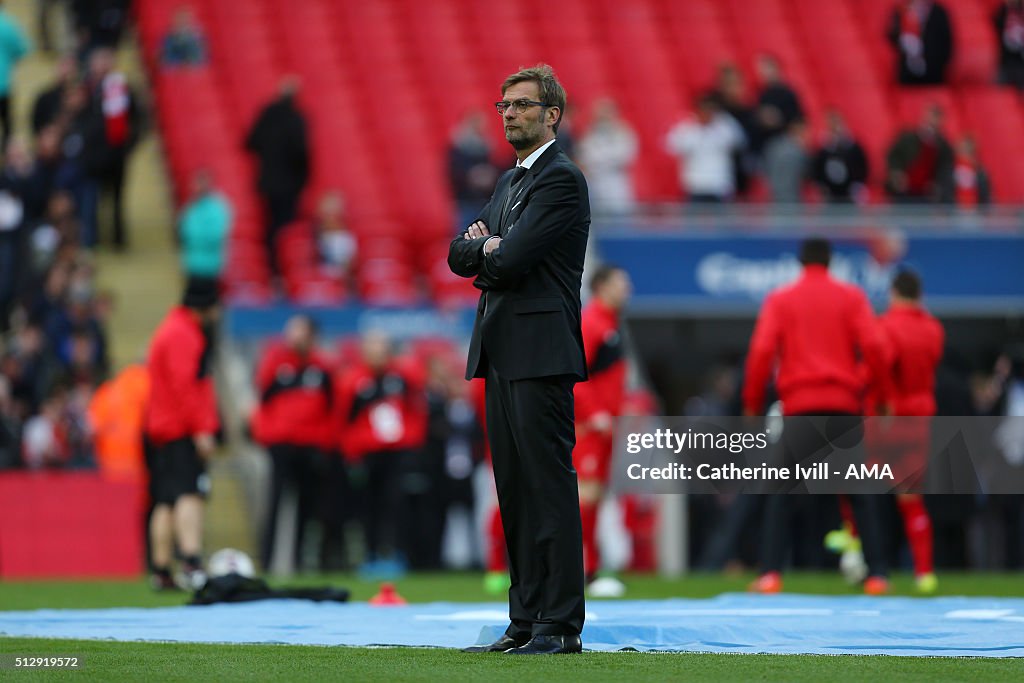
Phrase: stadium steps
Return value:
(145, 279)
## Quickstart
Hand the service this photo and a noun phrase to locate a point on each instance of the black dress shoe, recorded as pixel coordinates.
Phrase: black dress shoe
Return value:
(549, 645)
(503, 644)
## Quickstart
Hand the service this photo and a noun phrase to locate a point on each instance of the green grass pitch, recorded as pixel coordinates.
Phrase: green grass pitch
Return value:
(109, 661)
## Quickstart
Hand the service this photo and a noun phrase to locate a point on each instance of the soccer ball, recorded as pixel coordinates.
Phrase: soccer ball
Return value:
(230, 561)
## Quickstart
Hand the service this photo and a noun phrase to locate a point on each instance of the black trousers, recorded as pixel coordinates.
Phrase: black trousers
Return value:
(799, 440)
(532, 434)
(282, 208)
(383, 504)
(112, 194)
(5, 120)
(299, 467)
(336, 507)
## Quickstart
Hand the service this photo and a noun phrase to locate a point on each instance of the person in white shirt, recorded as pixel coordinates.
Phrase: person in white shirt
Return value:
(704, 146)
(606, 153)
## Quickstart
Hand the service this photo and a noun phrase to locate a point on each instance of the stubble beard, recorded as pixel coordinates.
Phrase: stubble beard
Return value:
(521, 139)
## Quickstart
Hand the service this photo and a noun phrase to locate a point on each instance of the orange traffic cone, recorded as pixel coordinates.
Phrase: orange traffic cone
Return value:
(387, 596)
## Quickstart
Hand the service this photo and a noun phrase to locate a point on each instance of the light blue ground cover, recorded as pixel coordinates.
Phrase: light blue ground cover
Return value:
(781, 624)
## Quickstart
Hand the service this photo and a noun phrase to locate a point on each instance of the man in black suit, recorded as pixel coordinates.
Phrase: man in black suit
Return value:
(526, 253)
(921, 34)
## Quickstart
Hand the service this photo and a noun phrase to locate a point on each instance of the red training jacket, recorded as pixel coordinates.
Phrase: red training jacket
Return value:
(181, 401)
(914, 341)
(605, 389)
(380, 412)
(296, 399)
(813, 331)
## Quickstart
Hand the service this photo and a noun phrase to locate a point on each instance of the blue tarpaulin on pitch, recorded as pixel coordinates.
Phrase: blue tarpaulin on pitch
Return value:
(781, 624)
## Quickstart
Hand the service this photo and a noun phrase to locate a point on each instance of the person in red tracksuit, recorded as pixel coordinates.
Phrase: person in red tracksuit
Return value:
(383, 416)
(293, 422)
(914, 340)
(180, 423)
(599, 400)
(813, 334)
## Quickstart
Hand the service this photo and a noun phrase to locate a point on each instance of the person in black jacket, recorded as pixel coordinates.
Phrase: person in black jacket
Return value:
(1009, 24)
(526, 253)
(778, 104)
(840, 167)
(278, 140)
(114, 126)
(921, 34)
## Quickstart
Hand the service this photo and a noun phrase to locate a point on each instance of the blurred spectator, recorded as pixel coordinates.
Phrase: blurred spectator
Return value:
(566, 137)
(1009, 23)
(13, 46)
(458, 438)
(44, 441)
(921, 34)
(204, 228)
(59, 226)
(26, 178)
(705, 147)
(787, 162)
(720, 385)
(98, 24)
(970, 179)
(185, 43)
(920, 163)
(778, 105)
(70, 161)
(606, 153)
(840, 166)
(471, 171)
(10, 428)
(114, 128)
(76, 318)
(278, 140)
(48, 298)
(383, 417)
(32, 369)
(336, 246)
(11, 241)
(731, 91)
(48, 104)
(116, 413)
(76, 426)
(293, 421)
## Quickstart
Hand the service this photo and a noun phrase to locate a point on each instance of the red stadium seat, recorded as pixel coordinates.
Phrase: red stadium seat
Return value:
(379, 76)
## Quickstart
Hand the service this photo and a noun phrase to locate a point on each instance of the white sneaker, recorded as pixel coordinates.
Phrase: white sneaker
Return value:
(606, 587)
(852, 565)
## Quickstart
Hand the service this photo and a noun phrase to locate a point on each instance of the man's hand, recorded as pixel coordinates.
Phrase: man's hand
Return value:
(205, 445)
(477, 230)
(491, 244)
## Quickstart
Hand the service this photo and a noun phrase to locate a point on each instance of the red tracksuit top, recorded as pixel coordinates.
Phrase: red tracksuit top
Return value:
(380, 412)
(914, 341)
(181, 401)
(813, 332)
(605, 389)
(296, 399)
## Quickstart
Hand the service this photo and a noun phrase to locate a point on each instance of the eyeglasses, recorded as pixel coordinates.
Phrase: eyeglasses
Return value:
(519, 106)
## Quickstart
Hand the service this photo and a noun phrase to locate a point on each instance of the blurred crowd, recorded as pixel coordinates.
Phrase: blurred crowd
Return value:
(744, 143)
(368, 438)
(61, 190)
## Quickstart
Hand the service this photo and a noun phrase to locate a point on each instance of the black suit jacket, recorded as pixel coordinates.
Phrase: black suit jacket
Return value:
(937, 36)
(528, 318)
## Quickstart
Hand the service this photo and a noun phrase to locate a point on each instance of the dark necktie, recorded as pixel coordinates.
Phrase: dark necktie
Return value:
(513, 186)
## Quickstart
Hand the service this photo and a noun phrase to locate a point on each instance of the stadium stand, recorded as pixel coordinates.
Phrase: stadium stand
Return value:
(382, 79)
